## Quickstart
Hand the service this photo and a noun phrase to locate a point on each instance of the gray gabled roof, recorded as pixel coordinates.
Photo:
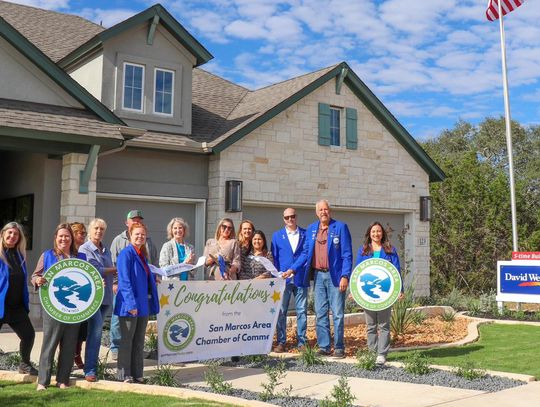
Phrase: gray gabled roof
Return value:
(55, 34)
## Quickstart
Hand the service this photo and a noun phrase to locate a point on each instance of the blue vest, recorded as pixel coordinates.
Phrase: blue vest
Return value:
(4, 285)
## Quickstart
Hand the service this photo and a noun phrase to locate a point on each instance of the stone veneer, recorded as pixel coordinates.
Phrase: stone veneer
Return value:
(74, 206)
(282, 163)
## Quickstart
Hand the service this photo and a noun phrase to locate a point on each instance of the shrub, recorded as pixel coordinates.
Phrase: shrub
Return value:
(103, 371)
(341, 395)
(402, 317)
(274, 375)
(469, 370)
(215, 380)
(417, 364)
(14, 359)
(474, 307)
(455, 299)
(254, 359)
(164, 376)
(448, 316)
(310, 357)
(151, 343)
(365, 359)
(418, 317)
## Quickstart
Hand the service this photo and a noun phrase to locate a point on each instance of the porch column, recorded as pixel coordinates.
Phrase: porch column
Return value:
(74, 206)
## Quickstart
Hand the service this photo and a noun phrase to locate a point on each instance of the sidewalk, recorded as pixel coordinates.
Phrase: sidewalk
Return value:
(368, 392)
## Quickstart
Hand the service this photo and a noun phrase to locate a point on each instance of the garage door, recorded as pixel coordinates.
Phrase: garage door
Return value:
(156, 217)
(270, 219)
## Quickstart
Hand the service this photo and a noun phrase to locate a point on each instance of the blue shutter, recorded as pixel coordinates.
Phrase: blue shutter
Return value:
(351, 128)
(324, 124)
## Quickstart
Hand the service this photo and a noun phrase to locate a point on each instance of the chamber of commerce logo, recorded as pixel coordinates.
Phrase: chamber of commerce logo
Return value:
(74, 291)
(375, 284)
(178, 332)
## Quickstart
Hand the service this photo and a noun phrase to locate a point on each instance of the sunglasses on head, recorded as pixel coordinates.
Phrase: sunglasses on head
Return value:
(289, 217)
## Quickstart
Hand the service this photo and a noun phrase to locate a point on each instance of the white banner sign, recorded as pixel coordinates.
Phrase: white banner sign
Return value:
(175, 269)
(202, 320)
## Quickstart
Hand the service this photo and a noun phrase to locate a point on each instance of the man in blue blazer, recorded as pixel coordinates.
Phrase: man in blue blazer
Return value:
(327, 249)
(287, 245)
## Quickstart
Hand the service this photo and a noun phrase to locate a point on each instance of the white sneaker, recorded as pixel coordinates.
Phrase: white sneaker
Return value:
(381, 360)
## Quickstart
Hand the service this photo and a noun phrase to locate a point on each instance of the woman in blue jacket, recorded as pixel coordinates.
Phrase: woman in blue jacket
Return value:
(55, 332)
(14, 307)
(136, 300)
(377, 245)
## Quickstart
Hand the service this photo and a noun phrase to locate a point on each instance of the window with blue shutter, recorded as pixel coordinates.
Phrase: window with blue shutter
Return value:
(351, 128)
(324, 124)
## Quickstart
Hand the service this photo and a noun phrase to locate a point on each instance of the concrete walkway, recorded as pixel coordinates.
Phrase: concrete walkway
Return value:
(368, 392)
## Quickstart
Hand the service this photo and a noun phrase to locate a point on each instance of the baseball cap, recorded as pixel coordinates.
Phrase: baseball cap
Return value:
(135, 213)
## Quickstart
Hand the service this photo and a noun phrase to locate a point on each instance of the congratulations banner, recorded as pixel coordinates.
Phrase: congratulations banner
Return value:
(202, 320)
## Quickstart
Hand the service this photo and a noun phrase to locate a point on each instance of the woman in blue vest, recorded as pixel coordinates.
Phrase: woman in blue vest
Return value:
(136, 300)
(55, 332)
(14, 307)
(377, 245)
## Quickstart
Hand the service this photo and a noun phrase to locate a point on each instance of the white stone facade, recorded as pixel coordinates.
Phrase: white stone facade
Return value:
(74, 206)
(281, 162)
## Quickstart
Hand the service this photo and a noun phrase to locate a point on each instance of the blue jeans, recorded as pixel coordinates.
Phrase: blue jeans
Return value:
(327, 297)
(115, 334)
(300, 300)
(93, 340)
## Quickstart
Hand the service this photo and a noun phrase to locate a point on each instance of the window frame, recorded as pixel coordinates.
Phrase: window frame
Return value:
(339, 114)
(155, 92)
(130, 109)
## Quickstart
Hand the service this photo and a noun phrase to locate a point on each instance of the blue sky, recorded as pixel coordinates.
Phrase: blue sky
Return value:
(431, 62)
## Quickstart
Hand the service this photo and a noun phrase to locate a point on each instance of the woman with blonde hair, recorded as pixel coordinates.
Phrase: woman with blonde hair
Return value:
(223, 245)
(177, 250)
(245, 235)
(55, 332)
(14, 303)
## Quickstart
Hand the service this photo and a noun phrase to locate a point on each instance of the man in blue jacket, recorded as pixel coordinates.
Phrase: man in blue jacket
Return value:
(287, 244)
(327, 249)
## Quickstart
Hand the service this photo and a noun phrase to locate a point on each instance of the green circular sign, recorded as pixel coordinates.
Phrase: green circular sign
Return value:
(74, 291)
(178, 332)
(375, 284)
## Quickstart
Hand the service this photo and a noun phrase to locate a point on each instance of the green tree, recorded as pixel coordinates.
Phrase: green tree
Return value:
(472, 228)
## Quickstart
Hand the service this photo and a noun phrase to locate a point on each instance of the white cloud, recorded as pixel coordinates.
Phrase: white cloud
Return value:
(245, 30)
(45, 4)
(108, 17)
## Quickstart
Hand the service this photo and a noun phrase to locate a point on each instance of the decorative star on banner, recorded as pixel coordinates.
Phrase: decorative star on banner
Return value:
(171, 287)
(167, 313)
(164, 300)
(272, 283)
(276, 296)
(272, 310)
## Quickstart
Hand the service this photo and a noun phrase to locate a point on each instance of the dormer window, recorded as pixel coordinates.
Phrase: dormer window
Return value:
(163, 91)
(133, 87)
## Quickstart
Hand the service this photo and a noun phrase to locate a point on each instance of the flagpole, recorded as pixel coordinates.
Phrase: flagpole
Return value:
(508, 132)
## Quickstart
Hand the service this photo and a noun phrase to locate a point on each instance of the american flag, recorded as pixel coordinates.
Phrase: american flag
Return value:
(492, 12)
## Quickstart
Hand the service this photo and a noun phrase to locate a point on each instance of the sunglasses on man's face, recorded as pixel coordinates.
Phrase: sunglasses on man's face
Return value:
(226, 227)
(289, 217)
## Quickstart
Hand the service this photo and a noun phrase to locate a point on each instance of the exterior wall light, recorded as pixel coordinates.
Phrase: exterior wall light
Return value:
(233, 196)
(425, 208)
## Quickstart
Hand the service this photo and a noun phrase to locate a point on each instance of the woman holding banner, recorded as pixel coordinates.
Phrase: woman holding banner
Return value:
(222, 253)
(55, 332)
(99, 256)
(14, 303)
(254, 268)
(377, 245)
(176, 250)
(136, 300)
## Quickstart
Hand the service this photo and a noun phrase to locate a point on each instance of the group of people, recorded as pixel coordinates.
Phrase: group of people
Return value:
(322, 253)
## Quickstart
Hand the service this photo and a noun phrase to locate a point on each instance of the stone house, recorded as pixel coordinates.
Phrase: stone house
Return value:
(95, 121)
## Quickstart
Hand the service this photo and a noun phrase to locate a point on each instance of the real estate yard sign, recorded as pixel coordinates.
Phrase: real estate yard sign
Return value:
(375, 284)
(201, 320)
(518, 281)
(74, 291)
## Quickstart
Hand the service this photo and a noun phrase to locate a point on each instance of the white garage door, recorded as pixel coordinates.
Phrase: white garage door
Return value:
(269, 219)
(157, 215)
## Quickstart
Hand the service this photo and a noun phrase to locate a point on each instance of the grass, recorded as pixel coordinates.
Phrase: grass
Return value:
(505, 348)
(24, 394)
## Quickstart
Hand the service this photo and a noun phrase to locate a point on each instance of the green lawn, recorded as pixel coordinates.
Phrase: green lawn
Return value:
(24, 394)
(505, 348)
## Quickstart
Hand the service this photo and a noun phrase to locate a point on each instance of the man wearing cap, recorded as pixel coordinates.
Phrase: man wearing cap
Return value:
(119, 243)
(287, 244)
(328, 250)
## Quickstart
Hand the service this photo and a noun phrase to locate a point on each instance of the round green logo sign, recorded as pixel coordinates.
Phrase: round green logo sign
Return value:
(74, 291)
(375, 284)
(178, 332)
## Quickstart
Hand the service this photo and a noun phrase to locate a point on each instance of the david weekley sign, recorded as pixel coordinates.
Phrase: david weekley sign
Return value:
(375, 284)
(518, 280)
(74, 291)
